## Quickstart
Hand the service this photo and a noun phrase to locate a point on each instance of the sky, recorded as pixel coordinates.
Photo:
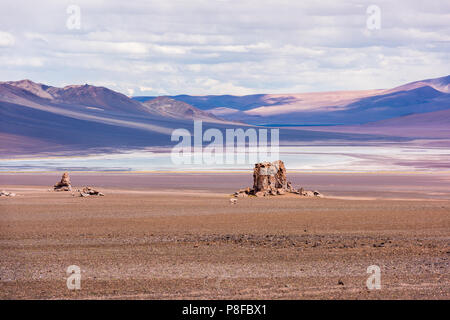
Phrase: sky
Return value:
(201, 47)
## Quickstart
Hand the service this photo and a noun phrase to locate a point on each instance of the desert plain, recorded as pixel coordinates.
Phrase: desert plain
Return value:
(177, 236)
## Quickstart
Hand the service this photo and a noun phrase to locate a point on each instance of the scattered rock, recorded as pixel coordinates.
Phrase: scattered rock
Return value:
(233, 201)
(378, 245)
(317, 194)
(64, 184)
(290, 188)
(340, 282)
(242, 195)
(308, 193)
(246, 190)
(88, 191)
(4, 193)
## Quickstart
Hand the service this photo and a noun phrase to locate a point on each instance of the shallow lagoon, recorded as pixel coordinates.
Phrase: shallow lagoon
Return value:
(304, 158)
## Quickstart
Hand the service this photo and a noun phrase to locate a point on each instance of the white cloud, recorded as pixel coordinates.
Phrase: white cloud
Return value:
(6, 39)
(36, 36)
(144, 89)
(234, 47)
(101, 47)
(21, 62)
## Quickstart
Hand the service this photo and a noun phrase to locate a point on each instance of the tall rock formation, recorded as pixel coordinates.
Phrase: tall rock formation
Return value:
(269, 178)
(64, 184)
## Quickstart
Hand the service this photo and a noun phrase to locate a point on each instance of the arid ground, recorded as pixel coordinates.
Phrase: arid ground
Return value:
(176, 235)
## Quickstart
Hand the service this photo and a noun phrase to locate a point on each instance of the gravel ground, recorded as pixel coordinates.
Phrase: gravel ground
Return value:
(173, 243)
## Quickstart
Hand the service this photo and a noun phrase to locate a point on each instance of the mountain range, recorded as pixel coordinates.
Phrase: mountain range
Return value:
(327, 108)
(41, 119)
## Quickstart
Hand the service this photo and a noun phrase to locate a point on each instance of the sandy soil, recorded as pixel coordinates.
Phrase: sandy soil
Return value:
(171, 236)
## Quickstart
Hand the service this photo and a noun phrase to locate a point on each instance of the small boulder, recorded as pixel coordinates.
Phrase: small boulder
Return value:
(289, 187)
(7, 194)
(317, 194)
(308, 193)
(88, 191)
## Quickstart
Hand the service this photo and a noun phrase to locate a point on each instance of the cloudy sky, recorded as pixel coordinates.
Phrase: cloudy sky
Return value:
(224, 46)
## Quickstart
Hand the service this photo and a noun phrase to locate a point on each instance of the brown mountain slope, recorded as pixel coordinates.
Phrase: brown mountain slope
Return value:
(179, 110)
(87, 96)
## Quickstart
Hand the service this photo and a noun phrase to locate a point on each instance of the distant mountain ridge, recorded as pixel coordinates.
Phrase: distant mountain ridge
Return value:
(327, 108)
(36, 118)
(179, 109)
(439, 84)
(435, 124)
(100, 98)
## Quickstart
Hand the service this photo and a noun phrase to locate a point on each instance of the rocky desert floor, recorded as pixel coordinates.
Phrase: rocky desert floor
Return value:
(176, 236)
